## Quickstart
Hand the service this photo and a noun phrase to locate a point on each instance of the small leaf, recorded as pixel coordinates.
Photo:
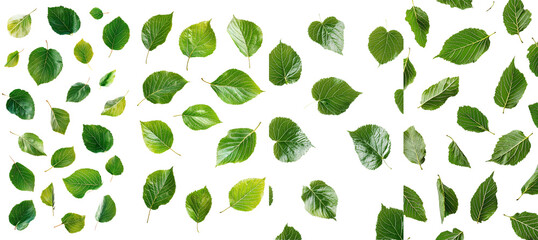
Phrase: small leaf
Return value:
(461, 4)
(198, 40)
(97, 138)
(32, 144)
(320, 200)
(246, 35)
(456, 234)
(96, 13)
(19, 25)
(532, 55)
(157, 136)
(21, 104)
(414, 146)
(285, 65)
(107, 79)
(47, 197)
(511, 87)
(413, 206)
(12, 59)
(448, 202)
(155, 31)
(409, 73)
(525, 225)
(83, 51)
(22, 177)
(159, 189)
(484, 201)
(44, 65)
(333, 95)
(390, 224)
(291, 142)
(63, 20)
(420, 24)
(22, 214)
(59, 120)
(511, 148)
(63, 157)
(116, 34)
(198, 204)
(385, 45)
(73, 222)
(82, 181)
(456, 156)
(399, 99)
(533, 108)
(78, 92)
(246, 194)
(372, 144)
(236, 146)
(329, 34)
(471, 119)
(435, 96)
(515, 17)
(235, 87)
(289, 233)
(114, 107)
(466, 46)
(200, 117)
(160, 87)
(106, 210)
(270, 196)
(531, 186)
(114, 166)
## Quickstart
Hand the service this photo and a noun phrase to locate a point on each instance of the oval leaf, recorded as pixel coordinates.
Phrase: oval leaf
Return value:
(96, 13)
(525, 225)
(44, 65)
(59, 120)
(471, 119)
(106, 210)
(333, 95)
(82, 181)
(200, 117)
(97, 138)
(114, 166)
(159, 189)
(73, 222)
(19, 25)
(160, 87)
(511, 148)
(22, 177)
(155, 31)
(291, 142)
(157, 136)
(372, 144)
(116, 34)
(198, 204)
(414, 147)
(511, 87)
(114, 107)
(515, 17)
(32, 144)
(78, 92)
(83, 51)
(329, 34)
(237, 146)
(285, 65)
(456, 234)
(390, 224)
(107, 79)
(435, 96)
(246, 35)
(22, 214)
(47, 197)
(21, 104)
(246, 194)
(466, 46)
(63, 157)
(461, 4)
(63, 20)
(235, 87)
(320, 200)
(12, 59)
(484, 201)
(198, 40)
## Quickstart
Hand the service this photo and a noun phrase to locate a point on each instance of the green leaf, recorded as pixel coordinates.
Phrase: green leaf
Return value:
(81, 181)
(198, 204)
(533, 108)
(159, 189)
(32, 144)
(21, 104)
(97, 138)
(436, 95)
(44, 65)
(155, 31)
(414, 147)
(198, 40)
(114, 166)
(466, 46)
(456, 234)
(515, 17)
(484, 201)
(246, 194)
(525, 225)
(236, 146)
(399, 99)
(235, 87)
(390, 224)
(270, 196)
(511, 87)
(461, 4)
(285, 65)
(106, 210)
(12, 59)
(157, 136)
(19, 25)
(78, 92)
(246, 35)
(200, 117)
(409, 72)
(511, 148)
(413, 206)
(289, 233)
(22, 177)
(456, 156)
(63, 20)
(448, 202)
(47, 197)
(532, 55)
(114, 107)
(59, 120)
(471, 119)
(107, 79)
(83, 51)
(96, 13)
(116, 34)
(385, 45)
(291, 142)
(160, 87)
(63, 157)
(320, 200)
(334, 95)
(22, 214)
(372, 144)
(329, 34)
(73, 222)
(420, 24)
(531, 186)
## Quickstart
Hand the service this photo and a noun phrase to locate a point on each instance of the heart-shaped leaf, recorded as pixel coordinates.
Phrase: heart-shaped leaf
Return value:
(157, 136)
(114, 166)
(159, 189)
(484, 201)
(160, 87)
(456, 156)
(466, 46)
(22, 177)
(106, 210)
(413, 206)
(511, 148)
(63, 157)
(385, 45)
(516, 18)
(246, 194)
(21, 104)
(83, 52)
(78, 92)
(289, 233)
(235, 87)
(236, 146)
(47, 197)
(32, 144)
(291, 142)
(461, 4)
(329, 34)
(116, 34)
(198, 40)
(63, 21)
(320, 200)
(12, 59)
(420, 24)
(285, 65)
(456, 234)
(155, 31)
(246, 35)
(333, 95)
(73, 222)
(390, 224)
(198, 204)
(22, 214)
(19, 25)
(372, 144)
(448, 202)
(414, 147)
(435, 96)
(200, 117)
(511, 87)
(44, 65)
(97, 138)
(82, 181)
(471, 119)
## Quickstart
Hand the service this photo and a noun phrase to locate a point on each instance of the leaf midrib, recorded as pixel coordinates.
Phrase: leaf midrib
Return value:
(247, 193)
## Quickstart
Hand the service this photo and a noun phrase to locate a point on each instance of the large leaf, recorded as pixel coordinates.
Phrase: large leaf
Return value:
(420, 24)
(12, 59)
(47, 197)
(59, 119)
(456, 234)
(198, 40)
(157, 136)
(155, 31)
(329, 34)
(532, 55)
(413, 206)
(159, 189)
(409, 72)
(461, 4)
(390, 224)
(466, 46)
(414, 147)
(435, 96)
(533, 108)
(106, 210)
(471, 119)
(372, 144)
(107, 79)
(82, 181)
(63, 157)
(285, 65)
(73, 222)
(44, 65)
(531, 186)
(160, 87)
(19, 25)
(198, 204)
(22, 177)
(484, 201)
(97, 138)
(525, 225)
(385, 45)
(114, 107)
(78, 92)
(236, 146)
(291, 142)
(399, 99)
(448, 202)
(32, 144)
(511, 148)
(96, 13)
(235, 87)
(116, 34)
(456, 156)
(246, 194)
(511, 87)
(200, 117)
(516, 18)
(320, 200)
(22, 214)
(246, 35)
(63, 20)
(114, 166)
(289, 233)
(334, 95)
(21, 104)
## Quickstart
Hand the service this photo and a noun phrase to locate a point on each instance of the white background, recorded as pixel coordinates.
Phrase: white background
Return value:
(360, 191)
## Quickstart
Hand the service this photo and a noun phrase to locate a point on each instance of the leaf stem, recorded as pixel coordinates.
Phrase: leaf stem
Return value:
(187, 67)
(205, 81)
(307, 105)
(491, 34)
(491, 6)
(110, 53)
(197, 228)
(59, 225)
(149, 212)
(257, 127)
(32, 11)
(52, 211)
(178, 115)
(12, 159)
(408, 53)
(48, 103)
(147, 55)
(140, 102)
(450, 138)
(490, 132)
(225, 209)
(248, 62)
(88, 81)
(386, 164)
(90, 67)
(112, 177)
(175, 152)
(15, 134)
(47, 43)
(95, 228)
(519, 197)
(49, 169)
(519, 37)
(413, 2)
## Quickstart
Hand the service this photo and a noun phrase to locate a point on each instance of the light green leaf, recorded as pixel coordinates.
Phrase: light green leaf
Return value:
(532, 55)
(385, 45)
(320, 200)
(236, 146)
(47, 197)
(21, 104)
(246, 35)
(390, 224)
(73, 222)
(78, 92)
(155, 31)
(19, 25)
(198, 204)
(456, 156)
(12, 59)
(22, 214)
(114, 166)
(289, 233)
(107, 79)
(399, 99)
(409, 73)
(461, 4)
(22, 177)
(511, 87)
(246, 194)
(198, 40)
(97, 138)
(414, 146)
(372, 144)
(436, 95)
(159, 189)
(511, 148)
(235, 87)
(160, 87)
(484, 201)
(471, 119)
(525, 225)
(114, 107)
(200, 117)
(420, 24)
(413, 206)
(82, 181)
(96, 13)
(106, 210)
(116, 34)
(63, 20)
(157, 136)
(448, 202)
(516, 18)
(466, 46)
(531, 186)
(456, 234)
(44, 65)
(334, 95)
(83, 51)
(63, 157)
(291, 142)
(533, 108)
(59, 119)
(329, 34)
(285, 65)
(32, 144)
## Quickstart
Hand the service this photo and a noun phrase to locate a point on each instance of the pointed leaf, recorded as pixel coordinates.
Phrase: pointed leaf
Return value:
(372, 144)
(466, 46)
(59, 120)
(155, 30)
(320, 200)
(531, 186)
(12, 59)
(285, 65)
(511, 148)
(247, 194)
(399, 99)
(157, 136)
(461, 4)
(236, 146)
(114, 166)
(96, 13)
(525, 225)
(198, 40)
(414, 146)
(19, 25)
(409, 73)
(448, 202)
(471, 119)
(116, 34)
(511, 87)
(333, 95)
(21, 104)
(63, 157)
(413, 206)
(456, 234)
(32, 144)
(97, 138)
(106, 210)
(159, 188)
(246, 35)
(420, 24)
(160, 87)
(63, 20)
(235, 87)
(22, 177)
(47, 197)
(456, 156)
(532, 55)
(533, 108)
(22, 214)
(484, 201)
(200, 117)
(289, 233)
(83, 52)
(515, 17)
(82, 181)
(329, 34)
(385, 45)
(78, 92)
(73, 222)
(114, 107)
(107, 79)
(198, 204)
(435, 96)
(291, 142)
(44, 65)
(390, 224)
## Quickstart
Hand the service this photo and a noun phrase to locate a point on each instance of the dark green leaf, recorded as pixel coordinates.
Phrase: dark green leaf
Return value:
(448, 202)
(329, 34)
(385, 45)
(246, 35)
(157, 136)
(511, 148)
(333, 95)
(21, 104)
(159, 189)
(456, 234)
(289, 233)
(12, 59)
(320, 200)
(78, 92)
(484, 201)
(22, 177)
(235, 87)
(532, 55)
(106, 210)
(515, 17)
(73, 222)
(399, 99)
(435, 96)
(461, 4)
(155, 31)
(114, 107)
(246, 194)
(47, 197)
(270, 196)
(471, 119)
(456, 156)
(96, 13)
(200, 117)
(409, 72)
(420, 24)
(97, 138)
(19, 25)
(44, 65)
(414, 146)
(285, 65)
(236, 146)
(82, 181)
(511, 87)
(83, 51)
(525, 225)
(32, 144)
(531, 186)
(390, 224)
(63, 20)
(291, 142)
(59, 120)
(198, 40)
(22, 214)
(160, 87)
(466, 46)
(372, 144)
(63, 157)
(114, 166)
(413, 206)
(198, 204)
(533, 108)
(107, 79)
(116, 34)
